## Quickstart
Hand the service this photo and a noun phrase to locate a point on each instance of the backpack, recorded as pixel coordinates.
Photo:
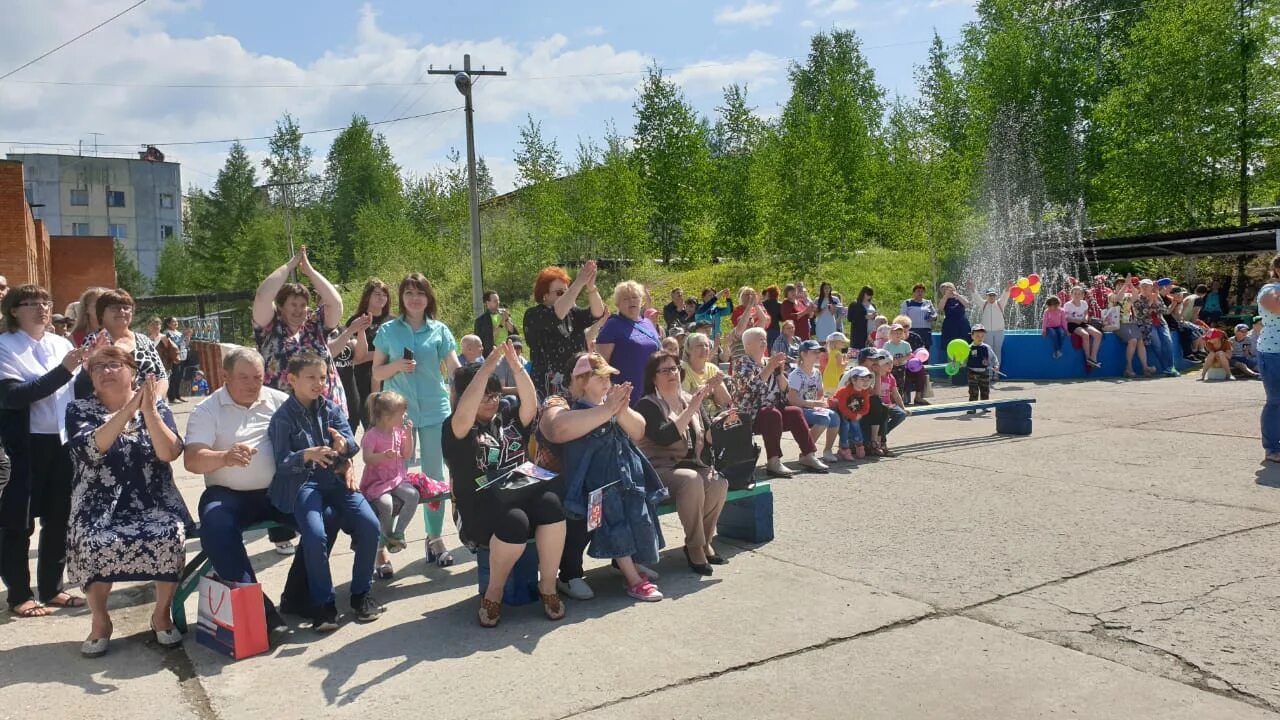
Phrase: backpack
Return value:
(733, 452)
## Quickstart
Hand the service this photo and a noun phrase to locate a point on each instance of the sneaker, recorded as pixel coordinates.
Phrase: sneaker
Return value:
(325, 620)
(285, 548)
(921, 402)
(775, 468)
(812, 462)
(275, 621)
(1093, 363)
(830, 457)
(645, 591)
(365, 608)
(577, 588)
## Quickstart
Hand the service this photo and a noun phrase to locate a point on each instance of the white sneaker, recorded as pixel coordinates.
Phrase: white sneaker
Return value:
(775, 468)
(285, 548)
(577, 588)
(812, 462)
(830, 457)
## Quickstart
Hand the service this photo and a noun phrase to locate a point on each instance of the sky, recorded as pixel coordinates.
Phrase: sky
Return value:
(573, 66)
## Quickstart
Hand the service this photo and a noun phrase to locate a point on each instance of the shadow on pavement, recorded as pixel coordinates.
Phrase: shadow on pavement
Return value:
(1268, 475)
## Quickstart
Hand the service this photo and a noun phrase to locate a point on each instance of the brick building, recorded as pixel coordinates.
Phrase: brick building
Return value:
(65, 265)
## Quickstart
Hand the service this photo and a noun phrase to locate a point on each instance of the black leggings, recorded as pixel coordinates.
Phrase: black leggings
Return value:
(50, 465)
(516, 523)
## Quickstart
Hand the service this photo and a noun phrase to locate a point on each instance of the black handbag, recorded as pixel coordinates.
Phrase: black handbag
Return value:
(734, 453)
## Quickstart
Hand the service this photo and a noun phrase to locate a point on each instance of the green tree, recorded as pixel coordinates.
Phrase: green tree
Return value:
(128, 277)
(217, 217)
(289, 161)
(359, 171)
(673, 161)
(174, 269)
(736, 135)
(542, 202)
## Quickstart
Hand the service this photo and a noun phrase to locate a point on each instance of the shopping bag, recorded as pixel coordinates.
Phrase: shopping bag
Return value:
(232, 620)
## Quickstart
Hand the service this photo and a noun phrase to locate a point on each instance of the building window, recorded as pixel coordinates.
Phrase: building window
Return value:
(166, 232)
(115, 198)
(166, 201)
(80, 197)
(119, 231)
(79, 228)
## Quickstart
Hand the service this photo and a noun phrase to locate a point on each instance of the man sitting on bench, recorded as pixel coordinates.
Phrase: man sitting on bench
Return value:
(227, 443)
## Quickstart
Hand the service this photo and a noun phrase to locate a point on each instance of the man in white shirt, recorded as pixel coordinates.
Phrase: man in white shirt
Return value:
(227, 442)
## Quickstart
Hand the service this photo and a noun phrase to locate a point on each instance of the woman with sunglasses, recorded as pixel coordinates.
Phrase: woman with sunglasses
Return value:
(555, 327)
(35, 388)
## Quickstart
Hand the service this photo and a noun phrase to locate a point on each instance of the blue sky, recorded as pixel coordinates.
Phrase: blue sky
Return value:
(573, 66)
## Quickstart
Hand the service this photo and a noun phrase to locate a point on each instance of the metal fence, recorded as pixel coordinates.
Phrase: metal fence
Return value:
(215, 317)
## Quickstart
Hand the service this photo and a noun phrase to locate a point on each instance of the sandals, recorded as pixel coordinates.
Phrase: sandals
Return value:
(30, 609)
(490, 613)
(552, 606)
(69, 601)
(436, 553)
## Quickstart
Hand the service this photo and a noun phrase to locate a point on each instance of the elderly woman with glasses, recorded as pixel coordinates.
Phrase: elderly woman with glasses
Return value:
(114, 310)
(128, 522)
(35, 387)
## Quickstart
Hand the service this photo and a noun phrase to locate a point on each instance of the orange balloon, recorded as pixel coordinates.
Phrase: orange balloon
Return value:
(1035, 287)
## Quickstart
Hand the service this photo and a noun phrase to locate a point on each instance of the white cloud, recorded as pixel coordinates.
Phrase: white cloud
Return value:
(831, 7)
(595, 31)
(551, 77)
(752, 13)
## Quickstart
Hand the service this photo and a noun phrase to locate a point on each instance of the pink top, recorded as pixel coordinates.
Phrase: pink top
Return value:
(887, 385)
(1054, 317)
(383, 476)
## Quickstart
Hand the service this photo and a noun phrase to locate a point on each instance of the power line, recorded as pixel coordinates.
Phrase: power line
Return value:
(224, 141)
(219, 86)
(37, 59)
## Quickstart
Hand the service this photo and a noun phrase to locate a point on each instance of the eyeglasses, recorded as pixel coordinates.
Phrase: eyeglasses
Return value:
(669, 369)
(492, 397)
(42, 304)
(113, 366)
(121, 309)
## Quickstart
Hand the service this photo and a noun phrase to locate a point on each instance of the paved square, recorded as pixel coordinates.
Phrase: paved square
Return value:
(1118, 563)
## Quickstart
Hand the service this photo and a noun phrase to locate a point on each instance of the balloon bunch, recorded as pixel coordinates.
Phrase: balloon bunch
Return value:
(917, 360)
(1025, 290)
(958, 354)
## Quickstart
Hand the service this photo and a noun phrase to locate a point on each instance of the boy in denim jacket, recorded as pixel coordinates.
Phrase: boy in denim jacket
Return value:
(313, 447)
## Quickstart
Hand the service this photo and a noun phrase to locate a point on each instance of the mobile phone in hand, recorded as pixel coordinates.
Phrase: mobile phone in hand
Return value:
(408, 354)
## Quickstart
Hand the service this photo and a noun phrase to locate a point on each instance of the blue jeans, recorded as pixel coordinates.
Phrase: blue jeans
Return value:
(820, 417)
(1269, 366)
(896, 416)
(850, 433)
(1162, 346)
(354, 516)
(1057, 336)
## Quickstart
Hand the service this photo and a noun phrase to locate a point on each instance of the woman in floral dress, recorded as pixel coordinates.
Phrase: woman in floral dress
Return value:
(128, 522)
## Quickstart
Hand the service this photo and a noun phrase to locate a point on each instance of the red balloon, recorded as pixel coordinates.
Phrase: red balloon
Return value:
(1016, 292)
(1033, 278)
(1027, 298)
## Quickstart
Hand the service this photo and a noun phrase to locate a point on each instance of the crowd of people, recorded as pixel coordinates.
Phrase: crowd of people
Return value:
(612, 414)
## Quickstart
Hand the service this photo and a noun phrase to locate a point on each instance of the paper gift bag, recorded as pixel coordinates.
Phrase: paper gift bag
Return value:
(232, 619)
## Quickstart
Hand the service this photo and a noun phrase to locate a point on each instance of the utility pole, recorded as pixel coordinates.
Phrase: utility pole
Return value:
(462, 80)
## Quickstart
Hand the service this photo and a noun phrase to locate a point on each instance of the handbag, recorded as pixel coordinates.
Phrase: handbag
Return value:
(519, 483)
(734, 453)
(232, 619)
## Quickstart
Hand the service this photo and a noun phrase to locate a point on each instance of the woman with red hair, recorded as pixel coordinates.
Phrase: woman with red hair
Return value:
(555, 327)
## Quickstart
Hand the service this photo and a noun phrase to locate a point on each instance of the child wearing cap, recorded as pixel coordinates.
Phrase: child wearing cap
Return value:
(805, 391)
(881, 333)
(1244, 353)
(199, 385)
(853, 401)
(982, 365)
(887, 408)
(834, 361)
(1219, 353)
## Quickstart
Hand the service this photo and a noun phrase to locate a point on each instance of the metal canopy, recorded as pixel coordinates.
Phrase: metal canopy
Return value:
(1262, 237)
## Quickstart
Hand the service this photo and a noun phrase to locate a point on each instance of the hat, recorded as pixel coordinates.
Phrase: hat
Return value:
(1164, 282)
(199, 372)
(838, 337)
(867, 353)
(675, 331)
(701, 322)
(896, 326)
(809, 345)
(516, 340)
(594, 364)
(977, 328)
(1242, 326)
(1146, 281)
(859, 371)
(991, 291)
(58, 318)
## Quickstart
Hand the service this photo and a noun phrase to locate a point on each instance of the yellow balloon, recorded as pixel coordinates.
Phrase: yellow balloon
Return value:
(1022, 283)
(1035, 288)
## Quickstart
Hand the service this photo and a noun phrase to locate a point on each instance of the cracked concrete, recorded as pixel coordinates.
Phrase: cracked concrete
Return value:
(1116, 564)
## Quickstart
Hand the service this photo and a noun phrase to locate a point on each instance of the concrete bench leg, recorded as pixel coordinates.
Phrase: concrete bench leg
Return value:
(1014, 419)
(522, 583)
(749, 519)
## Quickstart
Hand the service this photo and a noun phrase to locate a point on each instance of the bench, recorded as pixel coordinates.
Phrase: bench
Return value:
(747, 516)
(1013, 415)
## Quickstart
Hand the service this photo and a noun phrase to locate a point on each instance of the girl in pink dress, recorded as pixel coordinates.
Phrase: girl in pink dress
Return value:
(387, 447)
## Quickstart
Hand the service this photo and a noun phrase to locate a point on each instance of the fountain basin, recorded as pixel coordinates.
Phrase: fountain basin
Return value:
(1028, 355)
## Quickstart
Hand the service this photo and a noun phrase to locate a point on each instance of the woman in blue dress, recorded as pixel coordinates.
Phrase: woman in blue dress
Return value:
(955, 315)
(128, 522)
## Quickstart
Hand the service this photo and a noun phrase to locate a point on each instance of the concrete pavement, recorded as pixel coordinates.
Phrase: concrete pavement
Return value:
(1119, 563)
